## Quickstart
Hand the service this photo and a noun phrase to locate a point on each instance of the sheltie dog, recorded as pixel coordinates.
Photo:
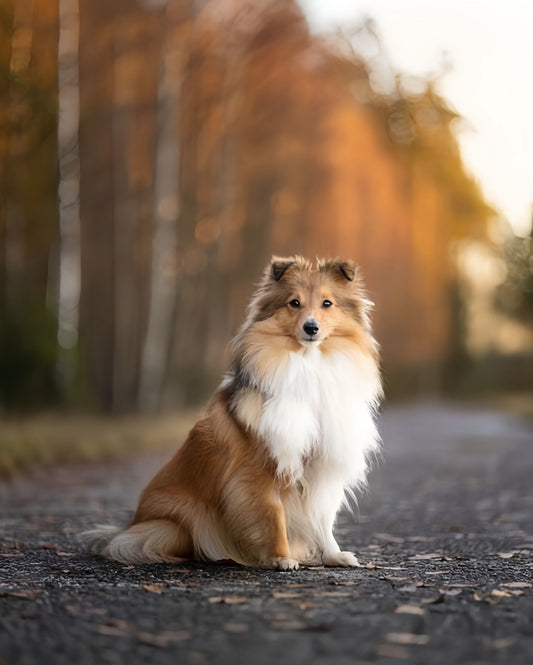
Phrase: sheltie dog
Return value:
(290, 429)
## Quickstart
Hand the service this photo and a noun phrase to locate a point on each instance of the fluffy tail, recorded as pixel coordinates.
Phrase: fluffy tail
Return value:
(96, 540)
(146, 542)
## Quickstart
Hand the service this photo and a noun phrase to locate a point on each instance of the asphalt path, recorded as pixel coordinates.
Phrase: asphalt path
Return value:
(444, 534)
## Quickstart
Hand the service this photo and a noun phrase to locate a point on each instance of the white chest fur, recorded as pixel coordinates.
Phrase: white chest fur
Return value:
(320, 407)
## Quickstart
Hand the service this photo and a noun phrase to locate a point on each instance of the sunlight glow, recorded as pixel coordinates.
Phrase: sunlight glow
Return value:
(481, 51)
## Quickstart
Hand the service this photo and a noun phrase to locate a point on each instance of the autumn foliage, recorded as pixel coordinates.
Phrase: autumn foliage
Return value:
(212, 134)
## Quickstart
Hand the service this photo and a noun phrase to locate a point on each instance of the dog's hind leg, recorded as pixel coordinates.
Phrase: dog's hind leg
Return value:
(256, 526)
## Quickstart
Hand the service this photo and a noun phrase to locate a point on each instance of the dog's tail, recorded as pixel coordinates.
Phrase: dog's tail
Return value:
(96, 540)
(146, 542)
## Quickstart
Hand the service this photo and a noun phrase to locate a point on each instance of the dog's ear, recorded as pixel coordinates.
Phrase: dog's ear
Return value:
(341, 269)
(279, 267)
(348, 269)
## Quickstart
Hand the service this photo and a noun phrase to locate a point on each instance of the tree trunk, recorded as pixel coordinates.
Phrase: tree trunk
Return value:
(97, 304)
(69, 190)
(163, 288)
(137, 44)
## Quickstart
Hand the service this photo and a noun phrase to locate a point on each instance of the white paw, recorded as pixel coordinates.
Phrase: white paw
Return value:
(286, 564)
(340, 559)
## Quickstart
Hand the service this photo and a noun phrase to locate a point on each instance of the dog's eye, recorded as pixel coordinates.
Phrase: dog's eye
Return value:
(327, 303)
(294, 303)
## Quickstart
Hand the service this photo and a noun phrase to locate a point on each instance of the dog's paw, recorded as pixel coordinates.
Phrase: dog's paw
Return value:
(286, 564)
(341, 559)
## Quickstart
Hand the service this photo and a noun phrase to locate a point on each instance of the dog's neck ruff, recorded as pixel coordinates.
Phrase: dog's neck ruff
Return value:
(315, 407)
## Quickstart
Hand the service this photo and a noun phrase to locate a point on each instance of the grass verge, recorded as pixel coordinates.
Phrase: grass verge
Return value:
(41, 441)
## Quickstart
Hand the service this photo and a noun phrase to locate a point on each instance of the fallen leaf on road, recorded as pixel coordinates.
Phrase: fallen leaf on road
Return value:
(285, 594)
(27, 594)
(288, 625)
(407, 638)
(154, 588)
(228, 600)
(14, 543)
(236, 627)
(390, 538)
(159, 641)
(115, 627)
(495, 595)
(501, 593)
(195, 658)
(164, 639)
(517, 585)
(384, 567)
(393, 651)
(86, 611)
(507, 593)
(426, 557)
(410, 588)
(410, 609)
(434, 599)
(503, 642)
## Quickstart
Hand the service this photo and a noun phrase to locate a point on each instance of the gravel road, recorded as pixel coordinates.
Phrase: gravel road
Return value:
(444, 533)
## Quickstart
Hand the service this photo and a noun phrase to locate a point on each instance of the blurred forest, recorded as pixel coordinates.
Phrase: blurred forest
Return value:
(154, 154)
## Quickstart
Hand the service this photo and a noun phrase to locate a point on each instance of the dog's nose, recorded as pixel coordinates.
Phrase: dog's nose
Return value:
(311, 328)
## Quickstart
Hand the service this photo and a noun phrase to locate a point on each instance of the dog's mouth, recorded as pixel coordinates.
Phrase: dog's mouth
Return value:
(310, 340)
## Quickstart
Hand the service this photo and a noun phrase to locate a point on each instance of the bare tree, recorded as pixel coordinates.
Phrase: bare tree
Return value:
(97, 301)
(69, 188)
(163, 282)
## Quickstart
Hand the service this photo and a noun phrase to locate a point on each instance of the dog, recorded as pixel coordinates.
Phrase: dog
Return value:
(291, 428)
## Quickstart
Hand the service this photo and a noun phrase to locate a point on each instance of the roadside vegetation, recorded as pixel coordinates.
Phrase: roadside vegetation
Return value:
(35, 442)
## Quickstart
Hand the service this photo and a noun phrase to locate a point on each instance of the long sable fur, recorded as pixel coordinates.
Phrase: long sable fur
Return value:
(290, 429)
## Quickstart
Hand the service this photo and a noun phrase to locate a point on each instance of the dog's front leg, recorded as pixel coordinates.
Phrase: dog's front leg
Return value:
(325, 505)
(331, 552)
(333, 556)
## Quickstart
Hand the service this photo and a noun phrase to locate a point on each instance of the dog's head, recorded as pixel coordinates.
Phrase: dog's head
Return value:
(311, 303)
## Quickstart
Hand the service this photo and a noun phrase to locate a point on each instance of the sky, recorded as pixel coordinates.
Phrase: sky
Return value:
(489, 47)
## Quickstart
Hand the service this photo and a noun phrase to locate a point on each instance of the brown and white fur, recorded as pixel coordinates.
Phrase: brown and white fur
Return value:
(263, 473)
